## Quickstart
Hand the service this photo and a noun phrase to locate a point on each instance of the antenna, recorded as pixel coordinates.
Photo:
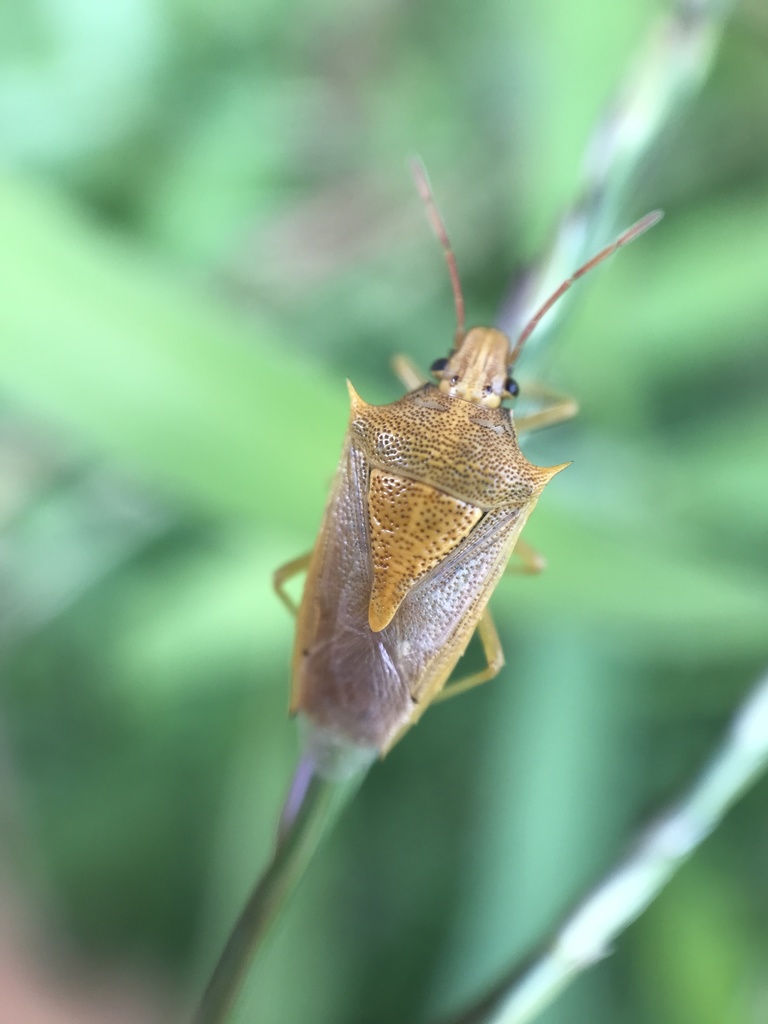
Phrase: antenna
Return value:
(419, 173)
(629, 235)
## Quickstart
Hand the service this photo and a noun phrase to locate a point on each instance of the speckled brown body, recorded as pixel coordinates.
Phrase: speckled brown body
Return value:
(430, 497)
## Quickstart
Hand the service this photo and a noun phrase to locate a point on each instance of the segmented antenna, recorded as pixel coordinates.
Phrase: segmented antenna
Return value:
(629, 235)
(419, 173)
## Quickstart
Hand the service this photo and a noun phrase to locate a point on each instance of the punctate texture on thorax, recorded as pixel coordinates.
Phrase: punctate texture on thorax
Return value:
(462, 449)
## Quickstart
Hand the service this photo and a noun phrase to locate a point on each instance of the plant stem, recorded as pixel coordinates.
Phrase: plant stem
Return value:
(671, 65)
(586, 936)
(311, 808)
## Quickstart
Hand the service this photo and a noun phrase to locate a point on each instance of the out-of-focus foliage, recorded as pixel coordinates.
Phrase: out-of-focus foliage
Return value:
(207, 223)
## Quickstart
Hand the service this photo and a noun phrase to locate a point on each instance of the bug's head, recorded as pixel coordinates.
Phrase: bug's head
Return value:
(477, 370)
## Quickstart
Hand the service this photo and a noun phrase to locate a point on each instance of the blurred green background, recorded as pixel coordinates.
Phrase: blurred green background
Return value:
(207, 223)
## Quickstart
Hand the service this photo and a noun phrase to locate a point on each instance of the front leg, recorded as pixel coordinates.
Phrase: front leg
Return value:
(557, 408)
(408, 373)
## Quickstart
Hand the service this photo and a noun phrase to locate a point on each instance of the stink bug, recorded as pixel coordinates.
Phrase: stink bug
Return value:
(430, 498)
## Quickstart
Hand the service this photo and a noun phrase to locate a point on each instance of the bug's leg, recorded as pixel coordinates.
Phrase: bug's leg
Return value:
(494, 656)
(557, 408)
(529, 561)
(408, 373)
(287, 572)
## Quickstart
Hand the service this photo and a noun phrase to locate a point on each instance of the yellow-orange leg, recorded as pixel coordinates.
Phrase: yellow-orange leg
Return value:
(287, 572)
(408, 373)
(557, 408)
(494, 656)
(529, 561)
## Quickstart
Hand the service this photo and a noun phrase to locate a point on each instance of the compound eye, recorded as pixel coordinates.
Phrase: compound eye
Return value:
(511, 387)
(438, 366)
